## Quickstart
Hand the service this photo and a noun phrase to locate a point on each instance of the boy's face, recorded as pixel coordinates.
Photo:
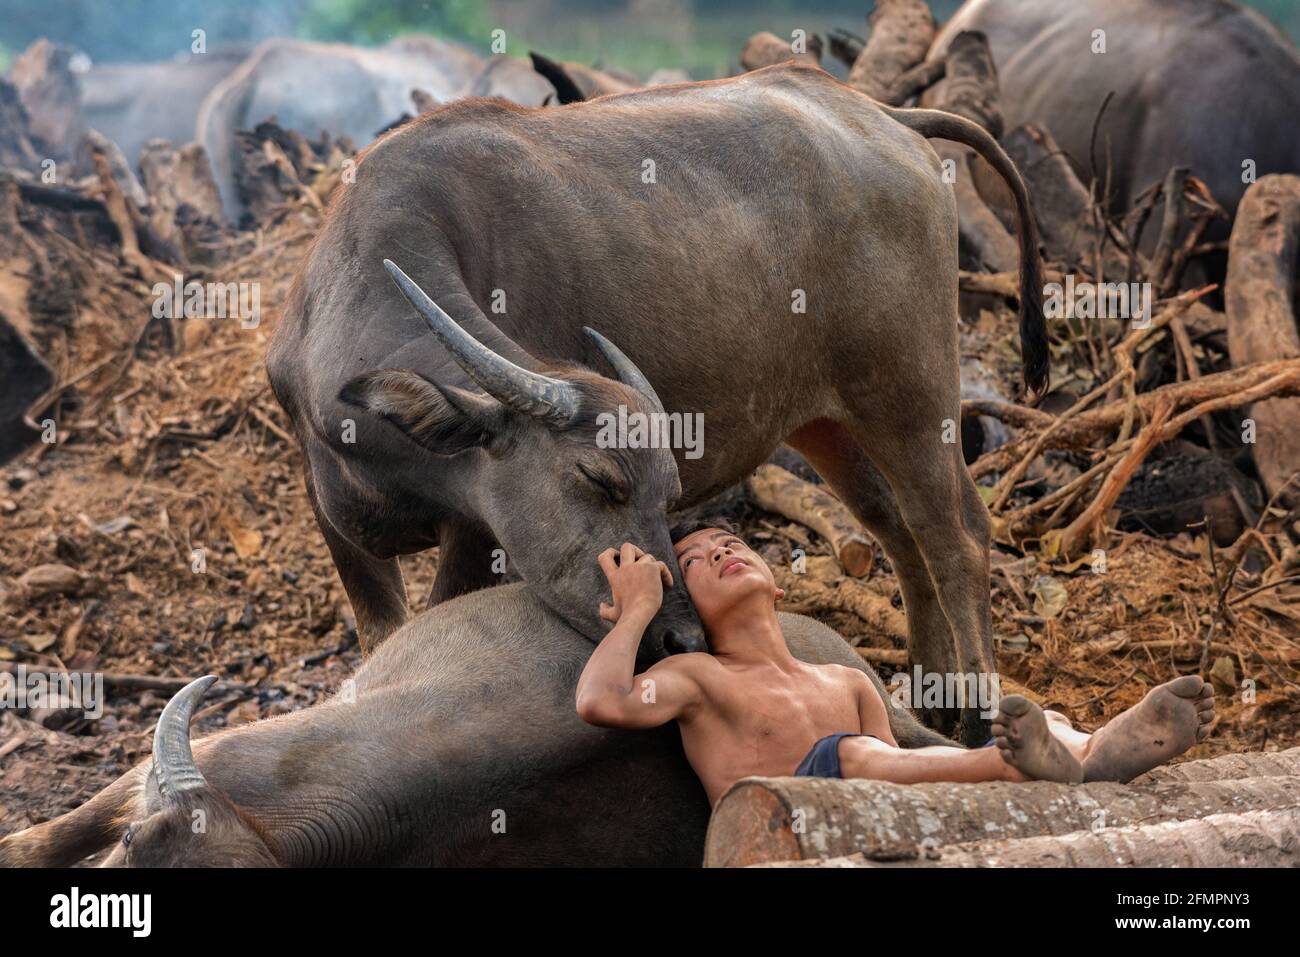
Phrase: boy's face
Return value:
(719, 571)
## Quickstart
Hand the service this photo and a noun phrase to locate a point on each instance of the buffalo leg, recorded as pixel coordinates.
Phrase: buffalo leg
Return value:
(374, 586)
(71, 837)
(838, 458)
(950, 525)
(466, 561)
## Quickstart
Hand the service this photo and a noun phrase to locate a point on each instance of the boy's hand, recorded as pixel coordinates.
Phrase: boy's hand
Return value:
(607, 692)
(636, 582)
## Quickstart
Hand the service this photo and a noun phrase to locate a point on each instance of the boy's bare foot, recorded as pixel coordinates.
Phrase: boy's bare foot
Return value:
(1028, 745)
(1169, 720)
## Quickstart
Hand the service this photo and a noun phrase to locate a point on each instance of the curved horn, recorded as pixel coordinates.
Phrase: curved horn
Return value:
(627, 371)
(174, 769)
(553, 400)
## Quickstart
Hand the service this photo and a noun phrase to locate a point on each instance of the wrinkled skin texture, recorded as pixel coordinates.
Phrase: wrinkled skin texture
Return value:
(204, 829)
(1200, 83)
(463, 716)
(778, 181)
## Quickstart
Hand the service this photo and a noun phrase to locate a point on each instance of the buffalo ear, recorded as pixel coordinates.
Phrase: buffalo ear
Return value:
(442, 418)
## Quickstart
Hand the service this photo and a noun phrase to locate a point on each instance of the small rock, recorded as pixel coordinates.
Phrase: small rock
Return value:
(1223, 675)
(69, 550)
(56, 714)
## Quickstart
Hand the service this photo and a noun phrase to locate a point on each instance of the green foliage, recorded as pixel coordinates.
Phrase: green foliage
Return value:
(366, 22)
(704, 36)
(1284, 13)
(110, 30)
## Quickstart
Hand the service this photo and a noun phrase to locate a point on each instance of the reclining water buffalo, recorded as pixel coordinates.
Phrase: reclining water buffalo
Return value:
(347, 90)
(1204, 84)
(456, 743)
(776, 251)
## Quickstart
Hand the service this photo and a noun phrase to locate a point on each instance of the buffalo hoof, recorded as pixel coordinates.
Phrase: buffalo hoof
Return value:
(943, 720)
(974, 730)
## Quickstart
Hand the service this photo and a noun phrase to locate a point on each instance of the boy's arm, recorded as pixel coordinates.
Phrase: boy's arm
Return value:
(873, 711)
(610, 693)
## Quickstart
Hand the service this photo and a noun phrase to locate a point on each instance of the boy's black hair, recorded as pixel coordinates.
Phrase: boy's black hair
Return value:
(691, 526)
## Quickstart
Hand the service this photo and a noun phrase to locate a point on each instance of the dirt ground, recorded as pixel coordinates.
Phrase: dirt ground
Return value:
(163, 454)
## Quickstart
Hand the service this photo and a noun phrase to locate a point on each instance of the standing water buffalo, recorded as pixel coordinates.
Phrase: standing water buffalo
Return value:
(132, 103)
(309, 87)
(456, 744)
(1204, 84)
(776, 251)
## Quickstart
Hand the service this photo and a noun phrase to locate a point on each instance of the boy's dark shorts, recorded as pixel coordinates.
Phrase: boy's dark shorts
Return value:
(823, 761)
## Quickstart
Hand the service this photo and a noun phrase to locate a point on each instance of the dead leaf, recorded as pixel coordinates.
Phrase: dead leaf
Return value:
(247, 541)
(1101, 646)
(1050, 596)
(39, 642)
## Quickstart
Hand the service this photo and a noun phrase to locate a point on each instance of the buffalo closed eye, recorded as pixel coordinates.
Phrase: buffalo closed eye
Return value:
(612, 489)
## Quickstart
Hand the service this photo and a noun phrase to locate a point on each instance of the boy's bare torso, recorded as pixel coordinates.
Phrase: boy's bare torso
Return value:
(761, 719)
(750, 708)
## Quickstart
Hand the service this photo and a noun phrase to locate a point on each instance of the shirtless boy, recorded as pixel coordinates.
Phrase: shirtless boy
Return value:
(749, 707)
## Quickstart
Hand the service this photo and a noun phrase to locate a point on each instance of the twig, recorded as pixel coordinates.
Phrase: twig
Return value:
(1261, 588)
(1214, 577)
(1089, 523)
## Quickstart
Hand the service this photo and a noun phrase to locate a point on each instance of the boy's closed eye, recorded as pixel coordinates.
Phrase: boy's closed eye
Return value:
(693, 555)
